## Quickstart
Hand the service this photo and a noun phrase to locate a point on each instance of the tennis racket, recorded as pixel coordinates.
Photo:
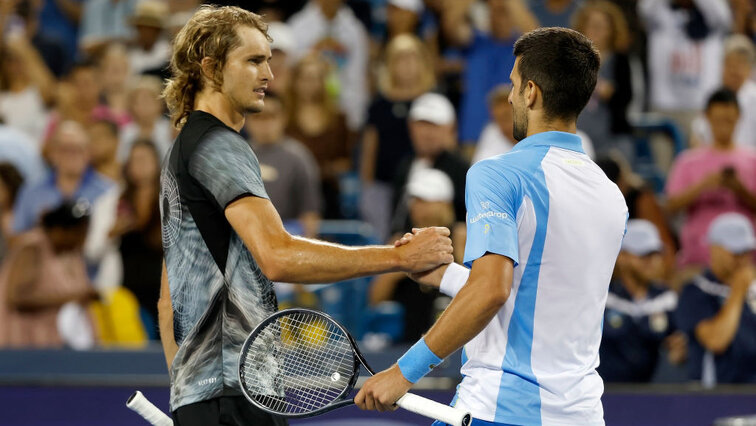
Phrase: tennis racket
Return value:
(301, 363)
(146, 409)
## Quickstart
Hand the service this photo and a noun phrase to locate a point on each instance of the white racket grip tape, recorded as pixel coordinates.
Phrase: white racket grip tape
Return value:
(434, 410)
(146, 409)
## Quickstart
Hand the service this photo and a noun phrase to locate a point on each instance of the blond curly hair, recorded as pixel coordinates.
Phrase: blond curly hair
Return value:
(210, 33)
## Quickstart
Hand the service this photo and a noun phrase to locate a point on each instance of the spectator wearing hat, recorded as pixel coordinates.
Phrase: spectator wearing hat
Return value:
(432, 130)
(717, 310)
(738, 65)
(403, 17)
(488, 56)
(639, 316)
(708, 181)
(288, 169)
(430, 201)
(150, 51)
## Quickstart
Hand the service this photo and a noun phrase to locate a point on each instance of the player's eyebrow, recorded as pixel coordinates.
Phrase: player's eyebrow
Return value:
(259, 58)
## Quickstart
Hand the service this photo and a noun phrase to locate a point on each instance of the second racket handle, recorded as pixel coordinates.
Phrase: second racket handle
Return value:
(434, 410)
(147, 410)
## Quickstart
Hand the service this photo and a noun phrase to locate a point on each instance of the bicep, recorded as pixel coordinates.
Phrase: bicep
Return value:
(258, 224)
(495, 271)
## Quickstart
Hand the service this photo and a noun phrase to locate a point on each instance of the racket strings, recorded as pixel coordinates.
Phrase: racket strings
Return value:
(298, 364)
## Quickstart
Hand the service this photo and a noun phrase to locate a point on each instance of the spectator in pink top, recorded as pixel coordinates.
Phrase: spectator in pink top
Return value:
(708, 181)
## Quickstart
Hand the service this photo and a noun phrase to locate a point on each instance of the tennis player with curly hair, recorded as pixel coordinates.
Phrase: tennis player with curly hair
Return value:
(224, 241)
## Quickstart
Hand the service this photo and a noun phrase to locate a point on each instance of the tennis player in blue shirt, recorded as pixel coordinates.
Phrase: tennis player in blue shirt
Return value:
(544, 227)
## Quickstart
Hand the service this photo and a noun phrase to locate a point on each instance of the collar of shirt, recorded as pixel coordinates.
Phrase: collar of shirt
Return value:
(562, 140)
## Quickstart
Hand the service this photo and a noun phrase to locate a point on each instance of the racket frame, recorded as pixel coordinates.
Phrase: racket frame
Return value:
(358, 360)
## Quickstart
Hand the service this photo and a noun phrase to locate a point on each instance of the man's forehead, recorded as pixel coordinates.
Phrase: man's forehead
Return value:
(252, 41)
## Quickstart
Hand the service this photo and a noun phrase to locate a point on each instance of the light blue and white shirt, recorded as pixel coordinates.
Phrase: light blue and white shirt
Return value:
(550, 209)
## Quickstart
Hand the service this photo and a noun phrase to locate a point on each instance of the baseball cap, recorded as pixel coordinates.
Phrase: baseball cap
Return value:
(415, 6)
(430, 185)
(641, 238)
(433, 108)
(150, 13)
(733, 232)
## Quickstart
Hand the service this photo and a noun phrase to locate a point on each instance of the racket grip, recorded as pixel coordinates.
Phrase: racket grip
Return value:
(146, 409)
(434, 410)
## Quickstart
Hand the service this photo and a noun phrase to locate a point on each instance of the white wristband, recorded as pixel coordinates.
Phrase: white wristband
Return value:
(454, 279)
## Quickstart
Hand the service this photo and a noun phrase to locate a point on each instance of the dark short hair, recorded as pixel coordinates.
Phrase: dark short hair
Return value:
(69, 214)
(564, 64)
(723, 96)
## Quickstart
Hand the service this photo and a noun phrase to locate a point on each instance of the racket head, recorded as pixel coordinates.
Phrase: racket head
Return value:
(298, 363)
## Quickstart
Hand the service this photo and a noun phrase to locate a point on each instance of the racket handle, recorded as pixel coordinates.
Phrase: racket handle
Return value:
(434, 410)
(146, 409)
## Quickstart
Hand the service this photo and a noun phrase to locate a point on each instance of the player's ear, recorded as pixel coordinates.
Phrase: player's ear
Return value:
(532, 92)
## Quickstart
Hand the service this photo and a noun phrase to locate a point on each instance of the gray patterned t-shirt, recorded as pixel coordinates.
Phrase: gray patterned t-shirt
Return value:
(208, 167)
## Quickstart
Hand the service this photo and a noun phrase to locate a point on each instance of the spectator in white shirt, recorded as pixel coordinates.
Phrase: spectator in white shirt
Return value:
(685, 44)
(330, 27)
(738, 64)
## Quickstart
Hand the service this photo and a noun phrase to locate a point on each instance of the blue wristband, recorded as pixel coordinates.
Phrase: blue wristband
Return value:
(418, 361)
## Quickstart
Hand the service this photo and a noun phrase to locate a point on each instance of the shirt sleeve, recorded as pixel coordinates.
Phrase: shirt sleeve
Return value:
(227, 167)
(693, 307)
(492, 198)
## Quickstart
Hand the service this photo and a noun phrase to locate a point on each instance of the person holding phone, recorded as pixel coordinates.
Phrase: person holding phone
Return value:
(708, 181)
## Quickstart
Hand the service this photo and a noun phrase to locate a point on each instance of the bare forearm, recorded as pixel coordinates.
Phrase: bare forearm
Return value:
(301, 260)
(467, 315)
(716, 334)
(684, 199)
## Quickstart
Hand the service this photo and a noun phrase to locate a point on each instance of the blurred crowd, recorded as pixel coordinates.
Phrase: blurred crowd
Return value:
(376, 112)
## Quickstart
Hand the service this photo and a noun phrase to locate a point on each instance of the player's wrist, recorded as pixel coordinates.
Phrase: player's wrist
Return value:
(401, 261)
(418, 361)
(454, 278)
